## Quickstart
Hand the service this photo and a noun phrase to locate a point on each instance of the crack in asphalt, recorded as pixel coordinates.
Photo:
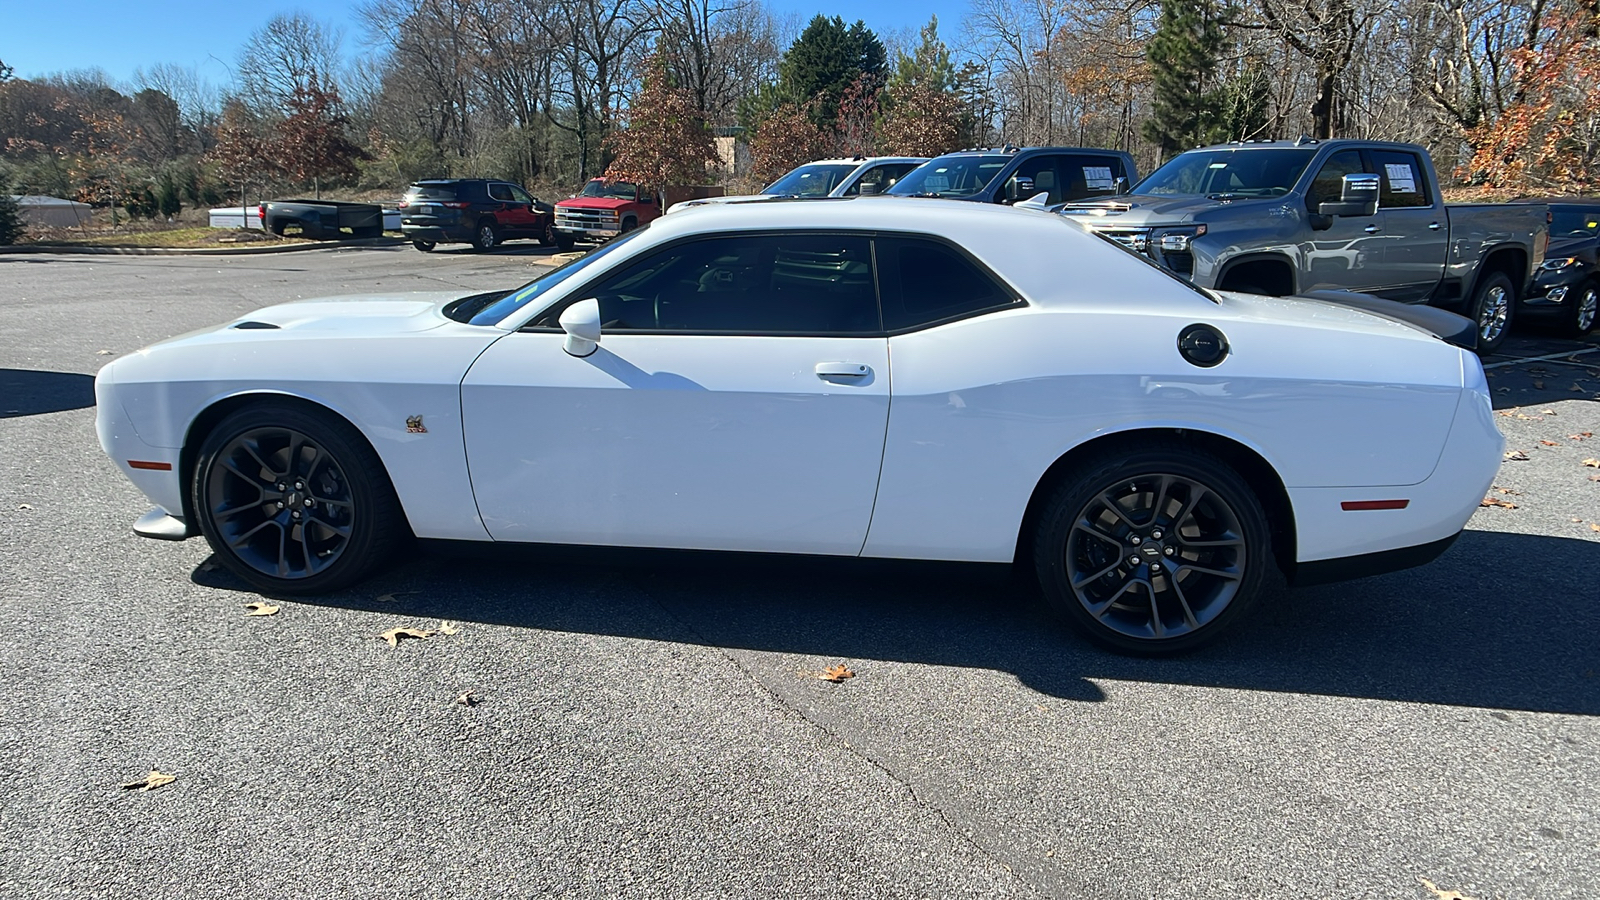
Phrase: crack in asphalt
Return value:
(964, 836)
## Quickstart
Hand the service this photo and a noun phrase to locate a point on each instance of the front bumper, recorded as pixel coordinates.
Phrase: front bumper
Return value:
(587, 233)
(1552, 297)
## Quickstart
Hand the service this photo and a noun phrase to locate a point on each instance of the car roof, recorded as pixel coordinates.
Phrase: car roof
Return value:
(864, 160)
(1307, 143)
(1026, 151)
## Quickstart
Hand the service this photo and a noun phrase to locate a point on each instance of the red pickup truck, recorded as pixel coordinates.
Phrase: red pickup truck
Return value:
(604, 210)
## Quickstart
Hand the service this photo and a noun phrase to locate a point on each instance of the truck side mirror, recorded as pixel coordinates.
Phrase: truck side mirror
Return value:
(1018, 187)
(1358, 196)
(868, 188)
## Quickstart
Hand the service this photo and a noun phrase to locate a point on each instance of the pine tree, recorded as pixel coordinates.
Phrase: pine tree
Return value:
(10, 214)
(825, 60)
(1182, 54)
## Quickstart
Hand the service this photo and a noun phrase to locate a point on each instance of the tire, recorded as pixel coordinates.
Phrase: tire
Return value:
(565, 242)
(1138, 578)
(548, 235)
(276, 228)
(1493, 304)
(333, 522)
(628, 225)
(1580, 320)
(424, 246)
(486, 237)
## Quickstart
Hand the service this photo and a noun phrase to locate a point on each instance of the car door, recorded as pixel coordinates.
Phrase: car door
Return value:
(1348, 254)
(1414, 224)
(513, 215)
(738, 400)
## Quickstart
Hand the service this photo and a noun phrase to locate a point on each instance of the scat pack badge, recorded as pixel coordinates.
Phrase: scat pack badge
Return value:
(414, 425)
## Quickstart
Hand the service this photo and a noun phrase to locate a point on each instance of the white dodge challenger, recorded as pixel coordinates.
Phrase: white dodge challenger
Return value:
(871, 377)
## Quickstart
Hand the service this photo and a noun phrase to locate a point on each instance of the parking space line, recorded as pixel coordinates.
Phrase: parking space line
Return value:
(1549, 358)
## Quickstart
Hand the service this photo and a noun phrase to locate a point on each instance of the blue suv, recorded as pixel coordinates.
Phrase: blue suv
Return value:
(1009, 174)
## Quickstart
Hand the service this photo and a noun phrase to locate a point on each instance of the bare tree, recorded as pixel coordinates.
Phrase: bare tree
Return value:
(290, 52)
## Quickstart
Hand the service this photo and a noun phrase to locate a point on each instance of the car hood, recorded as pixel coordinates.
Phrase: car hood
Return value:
(1143, 209)
(595, 203)
(352, 316)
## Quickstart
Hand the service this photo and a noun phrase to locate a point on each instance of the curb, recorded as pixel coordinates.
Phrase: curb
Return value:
(200, 251)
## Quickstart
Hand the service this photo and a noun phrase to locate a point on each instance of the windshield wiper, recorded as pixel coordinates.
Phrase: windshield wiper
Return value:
(1224, 196)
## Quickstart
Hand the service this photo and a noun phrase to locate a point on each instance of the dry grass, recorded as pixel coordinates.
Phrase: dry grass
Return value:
(193, 237)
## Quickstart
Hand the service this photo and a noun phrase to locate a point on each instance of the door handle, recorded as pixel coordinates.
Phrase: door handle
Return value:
(1433, 226)
(1371, 229)
(842, 370)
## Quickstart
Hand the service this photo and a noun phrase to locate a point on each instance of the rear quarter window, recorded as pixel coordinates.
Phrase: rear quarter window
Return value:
(924, 282)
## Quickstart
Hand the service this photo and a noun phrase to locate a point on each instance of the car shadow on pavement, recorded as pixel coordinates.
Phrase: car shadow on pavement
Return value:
(30, 392)
(1502, 621)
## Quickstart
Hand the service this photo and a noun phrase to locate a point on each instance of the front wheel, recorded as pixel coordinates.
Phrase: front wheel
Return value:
(565, 242)
(1492, 307)
(293, 500)
(424, 246)
(1153, 552)
(1586, 302)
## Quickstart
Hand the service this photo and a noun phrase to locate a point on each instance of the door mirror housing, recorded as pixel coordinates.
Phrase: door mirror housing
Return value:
(1018, 187)
(581, 322)
(868, 188)
(1358, 196)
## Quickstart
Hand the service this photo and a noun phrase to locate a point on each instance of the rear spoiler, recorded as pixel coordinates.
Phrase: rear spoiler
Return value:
(1442, 324)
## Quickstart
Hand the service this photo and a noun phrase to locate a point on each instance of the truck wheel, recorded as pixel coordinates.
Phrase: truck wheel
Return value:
(276, 228)
(424, 246)
(486, 237)
(629, 225)
(565, 242)
(1493, 304)
(1585, 303)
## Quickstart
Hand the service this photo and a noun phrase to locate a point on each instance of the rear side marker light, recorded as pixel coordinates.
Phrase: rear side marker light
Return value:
(1352, 505)
(146, 464)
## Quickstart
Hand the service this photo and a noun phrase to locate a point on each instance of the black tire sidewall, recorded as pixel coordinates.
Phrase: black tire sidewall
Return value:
(1481, 297)
(1570, 324)
(477, 236)
(377, 528)
(424, 246)
(1075, 491)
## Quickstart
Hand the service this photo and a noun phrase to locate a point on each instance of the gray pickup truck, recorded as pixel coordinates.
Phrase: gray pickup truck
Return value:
(1292, 217)
(323, 219)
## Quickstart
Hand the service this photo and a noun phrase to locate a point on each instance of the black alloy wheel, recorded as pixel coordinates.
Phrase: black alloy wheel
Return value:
(293, 500)
(486, 237)
(1153, 552)
(424, 246)
(1493, 304)
(1585, 304)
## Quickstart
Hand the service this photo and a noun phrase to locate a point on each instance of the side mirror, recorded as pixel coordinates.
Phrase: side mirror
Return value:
(581, 322)
(1019, 186)
(1358, 196)
(869, 188)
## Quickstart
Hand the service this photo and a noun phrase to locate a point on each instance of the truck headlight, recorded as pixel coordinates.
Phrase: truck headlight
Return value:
(1177, 240)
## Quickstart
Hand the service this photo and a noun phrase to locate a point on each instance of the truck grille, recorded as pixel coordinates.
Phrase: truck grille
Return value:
(1135, 239)
(584, 218)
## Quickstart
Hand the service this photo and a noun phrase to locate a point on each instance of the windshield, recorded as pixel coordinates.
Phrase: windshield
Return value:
(1229, 174)
(542, 285)
(816, 180)
(1574, 221)
(624, 190)
(950, 176)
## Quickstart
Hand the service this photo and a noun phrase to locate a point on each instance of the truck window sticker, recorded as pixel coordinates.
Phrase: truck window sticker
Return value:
(1097, 178)
(1402, 180)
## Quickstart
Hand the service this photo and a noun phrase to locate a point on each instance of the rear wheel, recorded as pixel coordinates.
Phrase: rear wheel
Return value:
(1586, 303)
(1492, 306)
(486, 237)
(424, 246)
(547, 235)
(293, 500)
(1153, 552)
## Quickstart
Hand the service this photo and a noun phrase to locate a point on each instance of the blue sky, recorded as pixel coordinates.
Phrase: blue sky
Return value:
(39, 37)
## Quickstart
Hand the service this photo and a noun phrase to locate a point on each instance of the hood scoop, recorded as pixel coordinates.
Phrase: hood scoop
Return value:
(252, 325)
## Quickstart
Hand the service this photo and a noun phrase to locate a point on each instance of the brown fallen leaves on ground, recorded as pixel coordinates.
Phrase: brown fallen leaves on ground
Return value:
(836, 673)
(259, 608)
(448, 628)
(1548, 443)
(1592, 463)
(1442, 894)
(467, 698)
(394, 635)
(1492, 501)
(1516, 455)
(150, 782)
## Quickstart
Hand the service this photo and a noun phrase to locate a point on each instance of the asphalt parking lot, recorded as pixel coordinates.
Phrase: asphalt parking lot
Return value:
(653, 726)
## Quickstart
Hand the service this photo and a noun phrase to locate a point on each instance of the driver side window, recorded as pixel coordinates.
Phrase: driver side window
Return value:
(774, 284)
(1328, 186)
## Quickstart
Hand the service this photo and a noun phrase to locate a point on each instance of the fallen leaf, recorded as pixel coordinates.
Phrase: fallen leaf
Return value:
(1594, 477)
(448, 628)
(1547, 412)
(1506, 412)
(24, 506)
(1505, 490)
(1538, 384)
(467, 699)
(1527, 418)
(260, 609)
(1594, 527)
(150, 782)
(1548, 443)
(1592, 463)
(389, 598)
(394, 635)
(1580, 436)
(1516, 454)
(1504, 504)
(836, 673)
(1441, 894)
(105, 353)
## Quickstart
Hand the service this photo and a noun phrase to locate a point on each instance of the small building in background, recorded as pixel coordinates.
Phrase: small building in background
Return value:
(52, 212)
